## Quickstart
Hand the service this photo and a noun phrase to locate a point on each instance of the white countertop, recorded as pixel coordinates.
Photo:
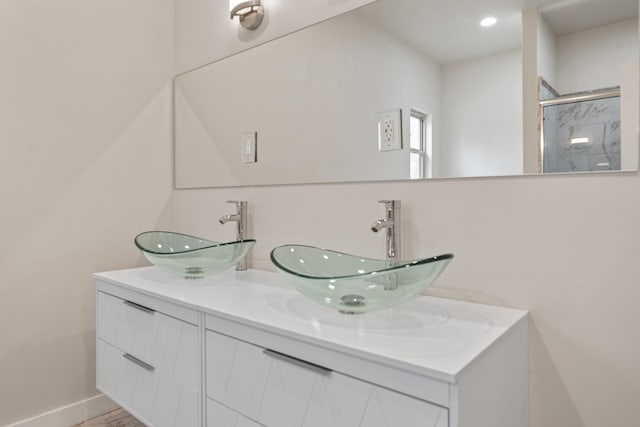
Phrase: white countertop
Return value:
(436, 336)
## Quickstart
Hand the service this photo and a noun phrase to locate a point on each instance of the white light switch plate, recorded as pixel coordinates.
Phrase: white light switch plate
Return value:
(249, 145)
(390, 130)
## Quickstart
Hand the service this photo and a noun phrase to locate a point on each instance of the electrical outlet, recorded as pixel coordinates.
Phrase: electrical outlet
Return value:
(390, 130)
(387, 131)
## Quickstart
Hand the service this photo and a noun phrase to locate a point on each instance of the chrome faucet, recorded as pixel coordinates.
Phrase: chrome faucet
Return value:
(391, 222)
(241, 218)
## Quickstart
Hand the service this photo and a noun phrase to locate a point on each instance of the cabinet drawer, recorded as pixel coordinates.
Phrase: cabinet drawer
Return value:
(162, 341)
(280, 391)
(220, 416)
(151, 394)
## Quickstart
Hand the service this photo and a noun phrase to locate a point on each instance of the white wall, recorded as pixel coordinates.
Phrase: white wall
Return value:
(594, 59)
(481, 120)
(546, 52)
(563, 247)
(85, 113)
(530, 123)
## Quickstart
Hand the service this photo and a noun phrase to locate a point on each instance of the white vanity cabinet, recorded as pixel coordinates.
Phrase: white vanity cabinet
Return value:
(245, 350)
(148, 357)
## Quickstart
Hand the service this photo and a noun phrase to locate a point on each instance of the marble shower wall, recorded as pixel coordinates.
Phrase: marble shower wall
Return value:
(597, 120)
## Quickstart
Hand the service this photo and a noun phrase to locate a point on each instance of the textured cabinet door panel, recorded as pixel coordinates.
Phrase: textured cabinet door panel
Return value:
(282, 393)
(220, 351)
(189, 408)
(286, 394)
(236, 373)
(341, 401)
(166, 392)
(108, 309)
(153, 395)
(113, 376)
(175, 350)
(131, 385)
(246, 422)
(162, 341)
(337, 401)
(220, 416)
(176, 405)
(386, 408)
(129, 328)
(146, 383)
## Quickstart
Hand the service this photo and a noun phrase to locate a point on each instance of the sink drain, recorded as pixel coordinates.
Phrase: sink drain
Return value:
(352, 301)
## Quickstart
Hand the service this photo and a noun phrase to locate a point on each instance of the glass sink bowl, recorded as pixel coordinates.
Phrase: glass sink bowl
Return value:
(353, 284)
(190, 256)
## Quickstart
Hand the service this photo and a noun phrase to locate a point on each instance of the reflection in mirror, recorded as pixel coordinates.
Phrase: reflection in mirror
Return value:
(589, 52)
(376, 94)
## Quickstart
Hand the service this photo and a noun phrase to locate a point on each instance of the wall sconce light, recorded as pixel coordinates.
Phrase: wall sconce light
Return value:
(250, 12)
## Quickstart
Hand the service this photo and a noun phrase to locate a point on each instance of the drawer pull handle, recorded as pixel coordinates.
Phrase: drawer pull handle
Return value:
(138, 362)
(140, 307)
(296, 361)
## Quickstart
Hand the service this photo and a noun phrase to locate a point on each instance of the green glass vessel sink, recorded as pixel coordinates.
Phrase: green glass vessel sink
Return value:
(190, 256)
(354, 284)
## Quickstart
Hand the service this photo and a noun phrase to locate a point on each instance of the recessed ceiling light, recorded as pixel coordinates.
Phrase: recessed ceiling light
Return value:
(488, 21)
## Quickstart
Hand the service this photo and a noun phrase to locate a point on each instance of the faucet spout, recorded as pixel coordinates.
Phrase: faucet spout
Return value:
(240, 217)
(381, 224)
(229, 217)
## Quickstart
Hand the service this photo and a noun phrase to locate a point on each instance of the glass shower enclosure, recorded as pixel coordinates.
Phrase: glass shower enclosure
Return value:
(580, 132)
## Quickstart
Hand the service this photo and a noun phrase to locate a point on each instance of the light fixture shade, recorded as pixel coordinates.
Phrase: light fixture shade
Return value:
(249, 12)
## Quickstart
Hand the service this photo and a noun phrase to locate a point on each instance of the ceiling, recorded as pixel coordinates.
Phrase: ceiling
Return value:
(450, 30)
(571, 16)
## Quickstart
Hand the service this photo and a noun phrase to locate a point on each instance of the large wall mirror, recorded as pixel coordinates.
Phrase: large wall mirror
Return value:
(418, 89)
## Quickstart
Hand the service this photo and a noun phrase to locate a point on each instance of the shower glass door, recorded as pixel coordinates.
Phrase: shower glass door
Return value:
(581, 132)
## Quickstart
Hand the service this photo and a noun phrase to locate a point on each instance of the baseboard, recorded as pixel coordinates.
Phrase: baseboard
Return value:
(71, 414)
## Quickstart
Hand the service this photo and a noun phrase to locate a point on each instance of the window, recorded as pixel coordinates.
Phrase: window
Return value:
(419, 145)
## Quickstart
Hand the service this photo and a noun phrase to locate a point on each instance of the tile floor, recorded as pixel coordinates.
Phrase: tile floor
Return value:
(116, 418)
